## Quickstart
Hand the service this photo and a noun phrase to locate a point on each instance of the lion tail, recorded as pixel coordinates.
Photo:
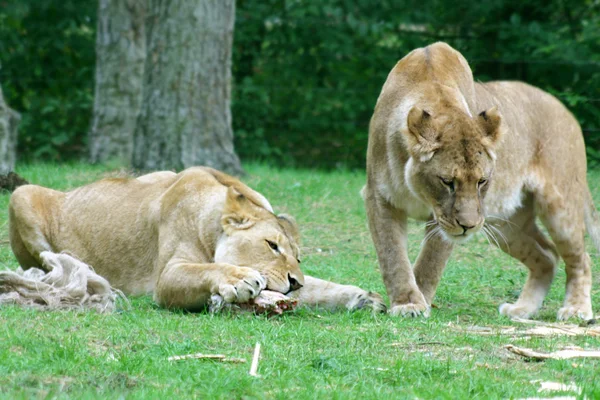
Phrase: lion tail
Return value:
(592, 220)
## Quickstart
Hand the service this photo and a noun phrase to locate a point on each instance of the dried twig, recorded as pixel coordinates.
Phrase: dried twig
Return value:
(557, 387)
(419, 344)
(547, 329)
(486, 330)
(557, 355)
(254, 365)
(216, 357)
(539, 329)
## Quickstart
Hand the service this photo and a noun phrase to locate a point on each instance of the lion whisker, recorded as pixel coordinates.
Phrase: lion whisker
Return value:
(431, 234)
(428, 236)
(494, 233)
(502, 219)
(490, 236)
(431, 223)
(485, 235)
(499, 232)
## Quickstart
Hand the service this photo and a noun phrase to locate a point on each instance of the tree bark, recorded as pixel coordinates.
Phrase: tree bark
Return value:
(186, 118)
(9, 120)
(120, 55)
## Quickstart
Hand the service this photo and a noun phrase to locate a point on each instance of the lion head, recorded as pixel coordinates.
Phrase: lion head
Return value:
(452, 165)
(256, 238)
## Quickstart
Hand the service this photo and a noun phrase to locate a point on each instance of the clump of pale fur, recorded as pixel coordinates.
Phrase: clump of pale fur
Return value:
(69, 284)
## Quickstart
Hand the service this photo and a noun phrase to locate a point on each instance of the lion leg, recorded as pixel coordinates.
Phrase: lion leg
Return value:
(522, 239)
(431, 262)
(388, 227)
(31, 211)
(563, 215)
(189, 286)
(321, 293)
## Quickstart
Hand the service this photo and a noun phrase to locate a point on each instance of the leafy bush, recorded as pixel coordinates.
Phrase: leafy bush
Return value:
(306, 74)
(47, 56)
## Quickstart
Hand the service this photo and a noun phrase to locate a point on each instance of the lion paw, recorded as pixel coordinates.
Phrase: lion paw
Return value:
(583, 312)
(366, 299)
(516, 311)
(411, 310)
(245, 285)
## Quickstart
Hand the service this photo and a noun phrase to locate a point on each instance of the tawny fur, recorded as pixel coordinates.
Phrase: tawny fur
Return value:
(183, 237)
(467, 156)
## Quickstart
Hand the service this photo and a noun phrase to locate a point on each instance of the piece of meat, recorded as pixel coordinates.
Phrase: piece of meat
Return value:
(267, 302)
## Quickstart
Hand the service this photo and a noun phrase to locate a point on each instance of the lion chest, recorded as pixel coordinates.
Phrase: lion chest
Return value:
(403, 199)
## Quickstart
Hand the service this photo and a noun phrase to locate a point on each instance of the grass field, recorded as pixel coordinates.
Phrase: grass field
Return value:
(310, 354)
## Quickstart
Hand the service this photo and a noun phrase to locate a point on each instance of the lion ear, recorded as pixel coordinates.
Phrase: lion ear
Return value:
(289, 226)
(291, 230)
(491, 121)
(421, 135)
(238, 213)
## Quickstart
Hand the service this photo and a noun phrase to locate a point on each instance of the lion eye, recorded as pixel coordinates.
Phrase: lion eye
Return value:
(482, 182)
(297, 259)
(273, 246)
(448, 182)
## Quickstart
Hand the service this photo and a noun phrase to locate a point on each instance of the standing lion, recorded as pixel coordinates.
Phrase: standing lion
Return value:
(466, 157)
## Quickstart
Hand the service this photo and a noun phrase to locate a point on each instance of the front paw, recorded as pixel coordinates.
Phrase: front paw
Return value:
(411, 310)
(583, 312)
(242, 285)
(364, 299)
(411, 303)
(517, 310)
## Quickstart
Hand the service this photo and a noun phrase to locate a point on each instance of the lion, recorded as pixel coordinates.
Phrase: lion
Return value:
(183, 237)
(469, 157)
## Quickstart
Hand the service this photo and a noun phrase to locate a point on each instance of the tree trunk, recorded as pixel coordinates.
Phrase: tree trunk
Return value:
(120, 54)
(9, 120)
(186, 118)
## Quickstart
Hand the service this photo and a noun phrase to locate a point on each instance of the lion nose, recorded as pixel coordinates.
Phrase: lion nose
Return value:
(294, 284)
(465, 226)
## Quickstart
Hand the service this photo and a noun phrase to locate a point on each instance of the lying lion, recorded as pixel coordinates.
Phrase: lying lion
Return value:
(468, 156)
(184, 237)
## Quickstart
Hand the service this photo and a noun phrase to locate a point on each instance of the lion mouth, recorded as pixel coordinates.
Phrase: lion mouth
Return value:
(459, 238)
(455, 237)
(448, 232)
(273, 289)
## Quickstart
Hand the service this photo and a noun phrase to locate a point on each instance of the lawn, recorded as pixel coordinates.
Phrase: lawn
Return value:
(309, 353)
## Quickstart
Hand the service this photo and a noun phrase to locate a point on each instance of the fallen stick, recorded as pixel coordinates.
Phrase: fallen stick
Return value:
(217, 357)
(254, 365)
(557, 355)
(538, 329)
(419, 344)
(584, 324)
(558, 387)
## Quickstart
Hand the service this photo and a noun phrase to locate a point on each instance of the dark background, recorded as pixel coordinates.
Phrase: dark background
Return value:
(306, 73)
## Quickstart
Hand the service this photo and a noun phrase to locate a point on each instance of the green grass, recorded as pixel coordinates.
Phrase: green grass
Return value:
(307, 354)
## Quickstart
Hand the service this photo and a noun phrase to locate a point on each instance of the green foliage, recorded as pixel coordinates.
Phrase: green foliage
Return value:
(307, 74)
(47, 56)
